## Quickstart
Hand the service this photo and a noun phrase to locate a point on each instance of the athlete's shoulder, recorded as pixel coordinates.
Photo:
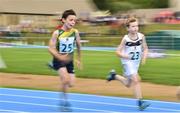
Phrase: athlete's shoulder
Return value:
(125, 37)
(56, 32)
(59, 30)
(140, 34)
(75, 30)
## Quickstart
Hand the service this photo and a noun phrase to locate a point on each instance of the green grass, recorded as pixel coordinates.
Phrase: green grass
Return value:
(26, 60)
(96, 65)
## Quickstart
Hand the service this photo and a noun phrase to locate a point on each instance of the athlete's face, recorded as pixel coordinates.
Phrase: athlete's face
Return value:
(133, 27)
(70, 21)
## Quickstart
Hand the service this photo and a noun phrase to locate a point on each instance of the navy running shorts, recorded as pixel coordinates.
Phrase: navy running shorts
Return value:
(58, 64)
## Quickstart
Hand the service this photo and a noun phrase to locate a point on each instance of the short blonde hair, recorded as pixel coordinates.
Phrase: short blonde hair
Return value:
(130, 20)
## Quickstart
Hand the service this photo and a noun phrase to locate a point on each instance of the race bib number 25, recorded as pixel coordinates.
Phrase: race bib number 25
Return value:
(66, 45)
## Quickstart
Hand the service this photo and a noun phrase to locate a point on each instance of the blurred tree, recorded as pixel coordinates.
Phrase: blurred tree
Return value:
(123, 5)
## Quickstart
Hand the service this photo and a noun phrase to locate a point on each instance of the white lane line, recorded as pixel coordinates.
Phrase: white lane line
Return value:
(12, 111)
(53, 106)
(92, 102)
(47, 98)
(91, 95)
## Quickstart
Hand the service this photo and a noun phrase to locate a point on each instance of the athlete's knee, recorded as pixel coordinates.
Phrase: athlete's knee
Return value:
(71, 84)
(129, 83)
(135, 80)
(65, 82)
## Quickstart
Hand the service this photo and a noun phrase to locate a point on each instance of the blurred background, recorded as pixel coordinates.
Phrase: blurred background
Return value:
(27, 25)
(100, 22)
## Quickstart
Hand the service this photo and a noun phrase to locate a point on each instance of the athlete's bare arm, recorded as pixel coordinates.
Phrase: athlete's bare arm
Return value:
(145, 50)
(78, 44)
(52, 48)
(119, 50)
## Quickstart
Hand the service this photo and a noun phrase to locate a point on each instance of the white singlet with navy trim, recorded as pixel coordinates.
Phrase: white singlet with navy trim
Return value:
(132, 48)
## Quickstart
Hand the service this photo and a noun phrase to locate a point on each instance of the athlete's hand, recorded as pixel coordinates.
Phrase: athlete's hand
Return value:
(126, 57)
(143, 61)
(79, 64)
(64, 57)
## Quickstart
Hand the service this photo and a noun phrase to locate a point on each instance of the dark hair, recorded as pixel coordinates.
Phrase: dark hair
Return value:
(66, 13)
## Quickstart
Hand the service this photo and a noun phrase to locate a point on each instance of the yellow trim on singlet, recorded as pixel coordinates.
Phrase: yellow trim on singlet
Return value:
(67, 33)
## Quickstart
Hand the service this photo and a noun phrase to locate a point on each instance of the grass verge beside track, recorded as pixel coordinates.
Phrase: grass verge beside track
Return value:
(96, 65)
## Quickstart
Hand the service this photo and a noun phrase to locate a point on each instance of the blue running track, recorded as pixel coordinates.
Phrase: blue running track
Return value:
(26, 101)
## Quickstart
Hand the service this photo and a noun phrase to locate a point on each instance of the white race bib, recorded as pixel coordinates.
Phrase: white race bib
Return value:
(66, 45)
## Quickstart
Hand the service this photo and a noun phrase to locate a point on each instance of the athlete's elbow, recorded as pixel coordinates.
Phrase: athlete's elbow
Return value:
(118, 53)
(49, 49)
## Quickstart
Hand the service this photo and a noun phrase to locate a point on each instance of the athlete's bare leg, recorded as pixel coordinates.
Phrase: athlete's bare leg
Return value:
(65, 80)
(136, 86)
(123, 80)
